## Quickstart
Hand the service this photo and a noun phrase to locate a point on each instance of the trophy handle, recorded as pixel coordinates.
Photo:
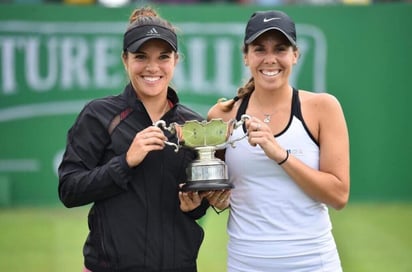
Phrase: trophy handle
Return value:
(233, 124)
(242, 120)
(171, 129)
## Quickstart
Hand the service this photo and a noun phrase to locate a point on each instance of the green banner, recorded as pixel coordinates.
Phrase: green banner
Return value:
(53, 59)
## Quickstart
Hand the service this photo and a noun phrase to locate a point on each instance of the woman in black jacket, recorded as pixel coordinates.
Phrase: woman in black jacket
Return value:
(116, 159)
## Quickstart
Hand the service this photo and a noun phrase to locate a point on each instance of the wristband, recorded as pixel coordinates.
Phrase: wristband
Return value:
(287, 157)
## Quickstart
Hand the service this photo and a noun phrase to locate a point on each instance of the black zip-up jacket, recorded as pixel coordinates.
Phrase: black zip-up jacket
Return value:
(135, 222)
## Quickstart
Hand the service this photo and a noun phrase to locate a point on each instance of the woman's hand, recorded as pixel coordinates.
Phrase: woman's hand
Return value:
(259, 133)
(189, 200)
(149, 139)
(218, 199)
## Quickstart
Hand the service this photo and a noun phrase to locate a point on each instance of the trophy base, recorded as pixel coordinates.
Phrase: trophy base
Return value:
(206, 185)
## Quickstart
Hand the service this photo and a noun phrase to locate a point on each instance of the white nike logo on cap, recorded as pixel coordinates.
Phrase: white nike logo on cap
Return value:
(270, 19)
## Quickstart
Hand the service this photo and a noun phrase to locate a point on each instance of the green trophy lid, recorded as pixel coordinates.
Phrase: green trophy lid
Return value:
(211, 133)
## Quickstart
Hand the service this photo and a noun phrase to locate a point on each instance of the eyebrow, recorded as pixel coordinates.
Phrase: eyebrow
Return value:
(276, 45)
(163, 52)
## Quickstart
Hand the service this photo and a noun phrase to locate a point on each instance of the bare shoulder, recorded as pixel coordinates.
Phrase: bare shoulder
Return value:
(322, 110)
(319, 101)
(216, 111)
(221, 110)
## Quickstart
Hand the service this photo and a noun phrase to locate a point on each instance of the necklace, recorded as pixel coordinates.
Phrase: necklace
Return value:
(166, 108)
(268, 116)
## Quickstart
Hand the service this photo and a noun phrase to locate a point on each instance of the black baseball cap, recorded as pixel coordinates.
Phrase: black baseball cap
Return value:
(262, 21)
(135, 37)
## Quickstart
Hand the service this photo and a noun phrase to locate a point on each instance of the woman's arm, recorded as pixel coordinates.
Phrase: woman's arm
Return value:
(329, 184)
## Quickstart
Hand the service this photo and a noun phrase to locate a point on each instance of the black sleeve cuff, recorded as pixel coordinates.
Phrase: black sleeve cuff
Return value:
(199, 211)
(121, 171)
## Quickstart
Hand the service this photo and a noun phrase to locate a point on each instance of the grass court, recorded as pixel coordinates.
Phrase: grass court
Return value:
(371, 237)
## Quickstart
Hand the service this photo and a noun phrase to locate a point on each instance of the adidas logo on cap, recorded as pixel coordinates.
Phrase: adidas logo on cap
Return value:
(152, 31)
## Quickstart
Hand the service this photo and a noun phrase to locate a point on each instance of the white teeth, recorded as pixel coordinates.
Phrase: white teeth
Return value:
(270, 73)
(152, 79)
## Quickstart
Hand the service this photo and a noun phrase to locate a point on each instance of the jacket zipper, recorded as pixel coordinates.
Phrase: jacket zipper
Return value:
(102, 241)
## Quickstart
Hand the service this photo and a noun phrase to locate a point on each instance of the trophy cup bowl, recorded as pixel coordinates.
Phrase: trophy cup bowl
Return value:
(206, 172)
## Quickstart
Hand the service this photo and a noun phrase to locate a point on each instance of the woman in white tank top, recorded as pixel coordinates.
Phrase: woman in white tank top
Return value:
(292, 166)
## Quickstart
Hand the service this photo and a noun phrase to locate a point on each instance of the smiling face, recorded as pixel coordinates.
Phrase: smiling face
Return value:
(270, 59)
(151, 68)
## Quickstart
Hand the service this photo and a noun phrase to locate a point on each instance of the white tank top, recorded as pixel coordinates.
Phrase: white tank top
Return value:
(270, 215)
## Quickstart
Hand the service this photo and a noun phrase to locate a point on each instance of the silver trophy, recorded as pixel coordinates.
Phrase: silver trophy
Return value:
(206, 172)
